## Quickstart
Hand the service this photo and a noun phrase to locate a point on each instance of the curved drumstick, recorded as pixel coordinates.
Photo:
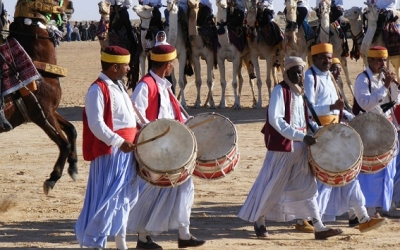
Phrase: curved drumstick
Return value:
(152, 138)
(201, 123)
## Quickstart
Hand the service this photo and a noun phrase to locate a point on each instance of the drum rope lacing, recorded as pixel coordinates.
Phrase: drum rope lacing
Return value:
(222, 167)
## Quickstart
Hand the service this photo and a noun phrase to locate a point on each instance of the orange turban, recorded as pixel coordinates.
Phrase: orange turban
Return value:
(336, 60)
(378, 52)
(321, 48)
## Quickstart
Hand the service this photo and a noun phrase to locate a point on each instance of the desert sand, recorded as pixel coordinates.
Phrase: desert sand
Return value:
(29, 219)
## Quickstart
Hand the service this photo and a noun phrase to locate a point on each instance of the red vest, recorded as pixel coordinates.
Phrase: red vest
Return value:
(274, 141)
(153, 100)
(92, 147)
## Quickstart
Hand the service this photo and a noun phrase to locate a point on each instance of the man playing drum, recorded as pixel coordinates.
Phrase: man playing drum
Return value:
(160, 209)
(109, 129)
(372, 88)
(285, 187)
(325, 98)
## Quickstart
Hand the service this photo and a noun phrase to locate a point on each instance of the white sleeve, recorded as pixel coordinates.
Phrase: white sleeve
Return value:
(94, 107)
(367, 101)
(276, 115)
(140, 99)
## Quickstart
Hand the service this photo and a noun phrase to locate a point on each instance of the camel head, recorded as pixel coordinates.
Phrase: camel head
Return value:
(291, 10)
(143, 11)
(173, 6)
(193, 4)
(323, 9)
(372, 12)
(104, 8)
(251, 17)
(223, 4)
(353, 13)
(291, 4)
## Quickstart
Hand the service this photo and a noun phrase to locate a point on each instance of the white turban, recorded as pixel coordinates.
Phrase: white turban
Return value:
(292, 61)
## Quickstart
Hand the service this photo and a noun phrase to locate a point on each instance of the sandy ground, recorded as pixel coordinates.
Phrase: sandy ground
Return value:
(34, 220)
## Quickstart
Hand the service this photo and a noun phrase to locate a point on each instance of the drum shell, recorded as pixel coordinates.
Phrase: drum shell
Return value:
(218, 152)
(169, 160)
(344, 142)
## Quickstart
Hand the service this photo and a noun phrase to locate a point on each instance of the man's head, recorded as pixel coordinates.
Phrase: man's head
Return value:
(115, 62)
(336, 67)
(163, 57)
(294, 69)
(377, 58)
(322, 56)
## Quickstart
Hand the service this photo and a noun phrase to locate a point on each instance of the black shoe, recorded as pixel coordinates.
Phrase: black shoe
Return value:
(149, 244)
(260, 231)
(192, 242)
(354, 222)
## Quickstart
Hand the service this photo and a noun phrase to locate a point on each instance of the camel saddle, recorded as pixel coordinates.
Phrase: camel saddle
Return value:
(271, 33)
(33, 9)
(391, 36)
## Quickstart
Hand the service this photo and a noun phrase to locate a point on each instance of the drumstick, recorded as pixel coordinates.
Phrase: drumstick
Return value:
(152, 138)
(138, 114)
(201, 123)
(320, 132)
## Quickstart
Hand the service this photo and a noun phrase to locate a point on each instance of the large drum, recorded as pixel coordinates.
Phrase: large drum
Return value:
(336, 158)
(169, 160)
(218, 152)
(379, 138)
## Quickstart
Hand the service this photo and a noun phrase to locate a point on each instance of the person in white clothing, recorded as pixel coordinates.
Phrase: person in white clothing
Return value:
(161, 209)
(324, 95)
(153, 3)
(372, 89)
(109, 129)
(285, 188)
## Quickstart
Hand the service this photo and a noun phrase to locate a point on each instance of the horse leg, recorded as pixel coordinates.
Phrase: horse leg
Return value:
(53, 130)
(221, 66)
(71, 134)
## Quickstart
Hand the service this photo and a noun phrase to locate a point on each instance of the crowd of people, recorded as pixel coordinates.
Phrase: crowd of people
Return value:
(80, 31)
(118, 201)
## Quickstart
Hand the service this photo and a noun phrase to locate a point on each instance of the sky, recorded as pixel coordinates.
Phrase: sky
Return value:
(87, 10)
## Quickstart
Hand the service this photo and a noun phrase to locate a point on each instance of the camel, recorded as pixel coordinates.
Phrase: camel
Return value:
(272, 54)
(325, 30)
(295, 43)
(145, 14)
(372, 15)
(353, 15)
(228, 51)
(198, 50)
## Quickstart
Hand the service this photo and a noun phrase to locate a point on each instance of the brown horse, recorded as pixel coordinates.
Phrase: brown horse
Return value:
(41, 104)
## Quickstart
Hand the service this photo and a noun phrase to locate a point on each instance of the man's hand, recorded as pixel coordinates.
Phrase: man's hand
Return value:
(389, 78)
(309, 140)
(339, 105)
(127, 147)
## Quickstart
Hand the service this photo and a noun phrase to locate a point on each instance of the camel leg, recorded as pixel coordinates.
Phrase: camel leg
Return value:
(142, 60)
(235, 73)
(71, 134)
(182, 62)
(210, 82)
(343, 61)
(238, 93)
(221, 66)
(197, 73)
(269, 71)
(250, 69)
(256, 65)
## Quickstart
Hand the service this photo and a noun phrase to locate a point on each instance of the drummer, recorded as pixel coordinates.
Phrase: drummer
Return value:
(325, 99)
(285, 188)
(160, 209)
(374, 87)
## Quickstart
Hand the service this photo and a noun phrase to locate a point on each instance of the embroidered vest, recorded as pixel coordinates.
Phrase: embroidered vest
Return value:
(274, 141)
(154, 101)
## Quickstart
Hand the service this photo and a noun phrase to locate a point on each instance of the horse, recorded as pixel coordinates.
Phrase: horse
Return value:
(40, 105)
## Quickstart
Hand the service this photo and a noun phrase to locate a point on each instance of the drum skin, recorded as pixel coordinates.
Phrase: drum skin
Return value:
(336, 158)
(218, 152)
(379, 137)
(167, 161)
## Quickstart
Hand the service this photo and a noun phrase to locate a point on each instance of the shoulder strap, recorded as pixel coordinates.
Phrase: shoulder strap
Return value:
(369, 80)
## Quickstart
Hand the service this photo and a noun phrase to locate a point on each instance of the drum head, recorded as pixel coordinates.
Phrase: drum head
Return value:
(338, 148)
(215, 138)
(377, 133)
(168, 153)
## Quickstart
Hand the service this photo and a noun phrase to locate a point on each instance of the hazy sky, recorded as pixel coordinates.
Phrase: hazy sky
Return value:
(88, 10)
